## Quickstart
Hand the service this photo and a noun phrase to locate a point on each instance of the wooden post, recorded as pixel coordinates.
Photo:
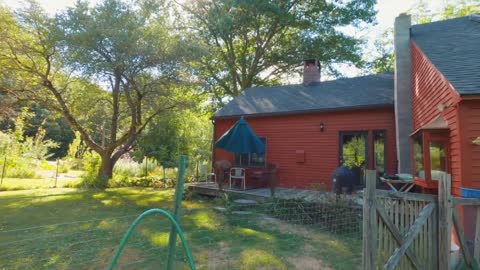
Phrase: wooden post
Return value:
(476, 251)
(146, 166)
(3, 169)
(370, 222)
(56, 173)
(176, 211)
(444, 223)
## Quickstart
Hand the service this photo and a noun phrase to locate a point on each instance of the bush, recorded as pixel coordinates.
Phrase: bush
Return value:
(126, 167)
(63, 167)
(91, 164)
(20, 168)
(149, 181)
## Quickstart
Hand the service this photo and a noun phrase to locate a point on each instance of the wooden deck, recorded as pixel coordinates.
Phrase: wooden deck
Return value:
(259, 194)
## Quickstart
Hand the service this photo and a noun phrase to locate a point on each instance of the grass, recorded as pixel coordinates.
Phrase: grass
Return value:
(47, 181)
(80, 229)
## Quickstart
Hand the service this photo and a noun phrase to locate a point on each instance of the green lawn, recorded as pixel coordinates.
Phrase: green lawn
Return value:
(47, 181)
(75, 229)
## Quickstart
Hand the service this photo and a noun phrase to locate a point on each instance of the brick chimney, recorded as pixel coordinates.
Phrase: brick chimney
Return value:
(403, 91)
(311, 71)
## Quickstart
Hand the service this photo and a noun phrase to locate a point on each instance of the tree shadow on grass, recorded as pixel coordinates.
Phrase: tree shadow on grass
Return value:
(82, 229)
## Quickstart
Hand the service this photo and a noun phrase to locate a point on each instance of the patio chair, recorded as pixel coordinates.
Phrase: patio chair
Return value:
(237, 173)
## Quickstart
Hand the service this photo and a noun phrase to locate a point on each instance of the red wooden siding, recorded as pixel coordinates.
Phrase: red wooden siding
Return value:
(288, 134)
(470, 123)
(430, 88)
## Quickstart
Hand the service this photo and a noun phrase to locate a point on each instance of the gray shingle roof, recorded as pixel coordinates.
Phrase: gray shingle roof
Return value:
(348, 93)
(453, 46)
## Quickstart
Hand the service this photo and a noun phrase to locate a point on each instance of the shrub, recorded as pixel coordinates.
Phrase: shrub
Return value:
(149, 181)
(20, 168)
(126, 167)
(63, 167)
(91, 165)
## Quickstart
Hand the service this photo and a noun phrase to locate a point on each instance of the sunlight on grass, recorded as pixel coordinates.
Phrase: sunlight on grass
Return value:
(251, 232)
(159, 239)
(111, 202)
(251, 259)
(87, 225)
(202, 219)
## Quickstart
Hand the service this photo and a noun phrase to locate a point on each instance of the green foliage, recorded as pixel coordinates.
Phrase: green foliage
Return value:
(384, 61)
(187, 132)
(354, 152)
(247, 43)
(55, 126)
(452, 9)
(24, 154)
(75, 153)
(108, 69)
(91, 165)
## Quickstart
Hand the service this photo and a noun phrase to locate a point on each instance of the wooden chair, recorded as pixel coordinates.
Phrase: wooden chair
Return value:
(237, 173)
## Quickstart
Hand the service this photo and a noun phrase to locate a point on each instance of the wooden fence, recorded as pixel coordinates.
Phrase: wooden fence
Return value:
(414, 231)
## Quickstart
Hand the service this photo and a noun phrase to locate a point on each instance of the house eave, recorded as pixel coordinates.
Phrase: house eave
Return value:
(337, 109)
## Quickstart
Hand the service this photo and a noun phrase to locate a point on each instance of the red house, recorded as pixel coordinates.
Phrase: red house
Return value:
(421, 120)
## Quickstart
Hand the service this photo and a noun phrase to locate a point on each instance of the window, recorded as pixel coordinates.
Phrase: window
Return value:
(252, 160)
(438, 161)
(379, 151)
(418, 156)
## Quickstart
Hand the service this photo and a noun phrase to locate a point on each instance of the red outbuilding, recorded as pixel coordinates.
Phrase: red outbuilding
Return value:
(423, 120)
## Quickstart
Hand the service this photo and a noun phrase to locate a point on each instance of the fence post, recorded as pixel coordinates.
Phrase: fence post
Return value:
(146, 166)
(370, 221)
(56, 173)
(444, 223)
(3, 169)
(176, 211)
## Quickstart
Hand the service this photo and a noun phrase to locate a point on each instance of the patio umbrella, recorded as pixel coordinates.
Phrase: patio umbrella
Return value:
(241, 139)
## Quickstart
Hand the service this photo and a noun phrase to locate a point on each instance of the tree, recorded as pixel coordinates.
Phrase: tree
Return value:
(384, 60)
(453, 9)
(108, 69)
(248, 43)
(179, 132)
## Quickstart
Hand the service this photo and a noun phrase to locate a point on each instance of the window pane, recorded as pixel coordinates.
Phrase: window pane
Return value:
(241, 160)
(258, 160)
(379, 151)
(418, 152)
(354, 151)
(438, 161)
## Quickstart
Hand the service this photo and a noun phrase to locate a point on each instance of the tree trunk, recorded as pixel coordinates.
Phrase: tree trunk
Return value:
(105, 172)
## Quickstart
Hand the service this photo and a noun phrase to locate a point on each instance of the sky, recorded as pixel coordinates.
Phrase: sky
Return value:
(387, 11)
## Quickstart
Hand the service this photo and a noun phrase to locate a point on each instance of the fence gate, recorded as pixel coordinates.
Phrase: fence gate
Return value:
(414, 231)
(400, 229)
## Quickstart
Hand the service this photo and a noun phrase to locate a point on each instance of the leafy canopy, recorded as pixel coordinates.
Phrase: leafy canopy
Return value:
(254, 42)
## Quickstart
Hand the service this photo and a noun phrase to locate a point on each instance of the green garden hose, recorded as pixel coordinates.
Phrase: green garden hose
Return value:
(137, 221)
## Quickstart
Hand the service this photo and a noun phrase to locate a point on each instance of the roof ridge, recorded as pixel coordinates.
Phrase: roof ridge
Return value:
(441, 21)
(317, 83)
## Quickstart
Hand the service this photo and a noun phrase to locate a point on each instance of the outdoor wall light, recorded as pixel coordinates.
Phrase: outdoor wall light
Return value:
(322, 126)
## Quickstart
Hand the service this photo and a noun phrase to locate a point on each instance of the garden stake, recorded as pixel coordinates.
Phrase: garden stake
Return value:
(176, 211)
(3, 169)
(56, 174)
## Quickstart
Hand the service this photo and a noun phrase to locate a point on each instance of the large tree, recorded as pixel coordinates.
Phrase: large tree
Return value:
(107, 69)
(384, 57)
(248, 43)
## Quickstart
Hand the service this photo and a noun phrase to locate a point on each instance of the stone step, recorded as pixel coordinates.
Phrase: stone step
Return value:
(244, 202)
